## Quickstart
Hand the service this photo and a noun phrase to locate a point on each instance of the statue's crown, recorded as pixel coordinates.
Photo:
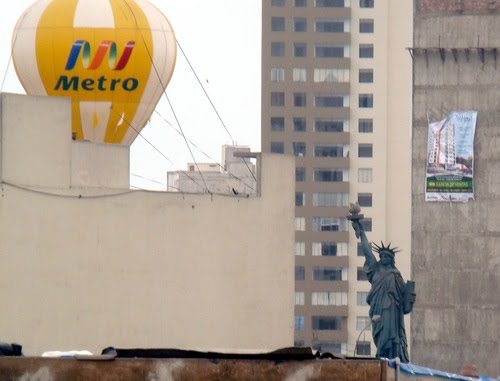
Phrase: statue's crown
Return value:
(388, 248)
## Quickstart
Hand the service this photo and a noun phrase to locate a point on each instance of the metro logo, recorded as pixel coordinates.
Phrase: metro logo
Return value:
(84, 47)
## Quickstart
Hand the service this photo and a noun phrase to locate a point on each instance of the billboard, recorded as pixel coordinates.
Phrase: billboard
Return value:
(450, 158)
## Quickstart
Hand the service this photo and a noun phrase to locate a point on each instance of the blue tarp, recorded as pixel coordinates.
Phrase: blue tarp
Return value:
(423, 371)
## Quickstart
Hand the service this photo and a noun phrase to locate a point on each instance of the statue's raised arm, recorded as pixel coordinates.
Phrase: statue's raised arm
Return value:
(355, 218)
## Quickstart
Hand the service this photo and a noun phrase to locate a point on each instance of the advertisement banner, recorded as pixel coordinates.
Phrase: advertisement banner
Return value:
(450, 158)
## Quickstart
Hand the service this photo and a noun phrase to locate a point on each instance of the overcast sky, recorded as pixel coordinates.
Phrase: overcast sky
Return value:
(221, 39)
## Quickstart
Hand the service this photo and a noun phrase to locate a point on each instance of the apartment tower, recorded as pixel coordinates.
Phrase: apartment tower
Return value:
(336, 93)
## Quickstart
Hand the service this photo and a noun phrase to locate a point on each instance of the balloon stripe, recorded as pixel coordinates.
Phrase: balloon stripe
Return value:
(73, 55)
(100, 54)
(125, 56)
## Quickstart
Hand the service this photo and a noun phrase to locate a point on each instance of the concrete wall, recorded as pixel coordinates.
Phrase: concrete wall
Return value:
(89, 267)
(455, 247)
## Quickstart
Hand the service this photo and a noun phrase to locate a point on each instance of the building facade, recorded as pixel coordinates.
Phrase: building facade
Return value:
(336, 94)
(88, 263)
(455, 255)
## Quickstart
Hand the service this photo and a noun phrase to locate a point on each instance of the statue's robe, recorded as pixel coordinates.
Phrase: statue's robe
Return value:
(386, 300)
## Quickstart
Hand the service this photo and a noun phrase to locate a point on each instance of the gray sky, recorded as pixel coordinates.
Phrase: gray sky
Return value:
(221, 38)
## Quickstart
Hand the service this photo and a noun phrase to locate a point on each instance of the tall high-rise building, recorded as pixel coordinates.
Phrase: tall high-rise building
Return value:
(336, 93)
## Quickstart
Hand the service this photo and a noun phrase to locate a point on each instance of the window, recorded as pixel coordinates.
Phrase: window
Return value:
(331, 125)
(332, 26)
(330, 199)
(330, 150)
(277, 124)
(331, 51)
(277, 24)
(299, 323)
(277, 99)
(363, 323)
(277, 49)
(299, 99)
(329, 249)
(366, 26)
(367, 224)
(365, 199)
(363, 348)
(327, 323)
(366, 51)
(332, 224)
(300, 273)
(299, 124)
(362, 274)
(329, 299)
(300, 249)
(359, 251)
(365, 150)
(299, 298)
(330, 100)
(299, 49)
(325, 175)
(301, 3)
(366, 76)
(299, 148)
(327, 273)
(366, 100)
(366, 3)
(361, 296)
(277, 74)
(299, 75)
(331, 75)
(300, 223)
(299, 24)
(331, 3)
(300, 199)
(278, 3)
(365, 125)
(330, 347)
(365, 175)
(300, 174)
(277, 147)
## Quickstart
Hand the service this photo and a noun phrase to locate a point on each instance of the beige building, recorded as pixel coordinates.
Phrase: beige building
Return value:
(88, 263)
(235, 175)
(336, 94)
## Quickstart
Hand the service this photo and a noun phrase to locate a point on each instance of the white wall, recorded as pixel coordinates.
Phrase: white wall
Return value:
(85, 269)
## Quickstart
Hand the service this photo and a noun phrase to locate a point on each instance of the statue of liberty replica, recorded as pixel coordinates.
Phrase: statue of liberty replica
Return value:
(390, 297)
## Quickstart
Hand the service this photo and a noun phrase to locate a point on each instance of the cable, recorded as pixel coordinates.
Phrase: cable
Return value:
(6, 71)
(32, 190)
(165, 92)
(206, 155)
(208, 97)
(152, 145)
(145, 178)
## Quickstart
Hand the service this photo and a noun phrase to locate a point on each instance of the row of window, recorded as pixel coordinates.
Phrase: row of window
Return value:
(321, 323)
(328, 298)
(324, 150)
(323, 25)
(321, 124)
(322, 298)
(321, 75)
(324, 3)
(328, 273)
(336, 224)
(332, 199)
(321, 100)
(325, 249)
(365, 175)
(322, 51)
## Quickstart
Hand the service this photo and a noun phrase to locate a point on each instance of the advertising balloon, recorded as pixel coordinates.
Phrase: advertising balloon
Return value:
(113, 58)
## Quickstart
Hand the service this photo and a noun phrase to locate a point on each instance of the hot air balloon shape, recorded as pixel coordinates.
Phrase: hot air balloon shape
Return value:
(113, 58)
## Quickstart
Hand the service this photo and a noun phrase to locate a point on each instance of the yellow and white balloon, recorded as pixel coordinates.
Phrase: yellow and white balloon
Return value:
(113, 58)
